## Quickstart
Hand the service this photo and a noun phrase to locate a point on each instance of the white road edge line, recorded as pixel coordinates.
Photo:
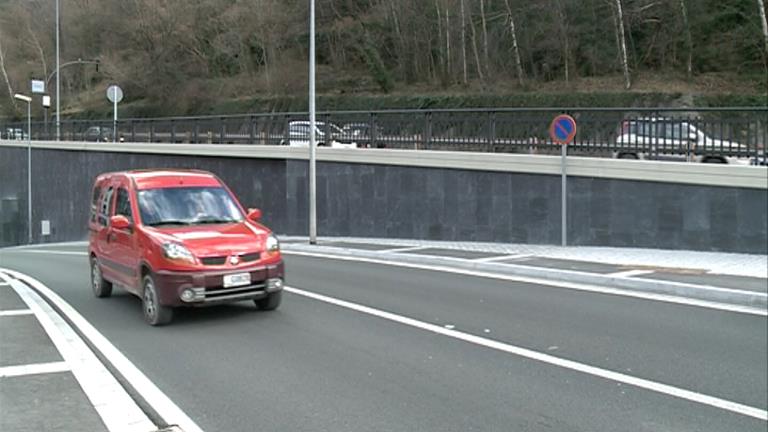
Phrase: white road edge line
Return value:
(630, 273)
(33, 369)
(557, 284)
(545, 358)
(16, 312)
(116, 408)
(52, 252)
(404, 249)
(501, 258)
(162, 404)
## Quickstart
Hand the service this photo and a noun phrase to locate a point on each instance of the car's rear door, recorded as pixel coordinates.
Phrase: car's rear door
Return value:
(124, 245)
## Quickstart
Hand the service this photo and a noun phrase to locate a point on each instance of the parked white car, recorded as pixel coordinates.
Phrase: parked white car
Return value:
(298, 135)
(670, 139)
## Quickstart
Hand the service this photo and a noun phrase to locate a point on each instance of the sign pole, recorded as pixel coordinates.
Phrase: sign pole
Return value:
(114, 120)
(564, 195)
(563, 131)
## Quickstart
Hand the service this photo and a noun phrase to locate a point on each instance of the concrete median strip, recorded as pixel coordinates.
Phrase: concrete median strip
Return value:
(118, 410)
(733, 300)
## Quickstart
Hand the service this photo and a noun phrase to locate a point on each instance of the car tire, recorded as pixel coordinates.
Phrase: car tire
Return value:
(155, 314)
(100, 286)
(270, 302)
(627, 156)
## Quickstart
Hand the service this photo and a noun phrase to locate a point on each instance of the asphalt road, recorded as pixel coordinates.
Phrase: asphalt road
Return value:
(316, 366)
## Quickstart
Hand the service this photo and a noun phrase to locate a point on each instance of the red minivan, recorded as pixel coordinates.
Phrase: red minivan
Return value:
(179, 238)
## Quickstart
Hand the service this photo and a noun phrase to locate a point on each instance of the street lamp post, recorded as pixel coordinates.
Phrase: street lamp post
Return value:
(28, 100)
(312, 149)
(58, 78)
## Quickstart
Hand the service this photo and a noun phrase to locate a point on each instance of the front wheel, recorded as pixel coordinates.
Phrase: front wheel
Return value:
(100, 286)
(270, 302)
(154, 313)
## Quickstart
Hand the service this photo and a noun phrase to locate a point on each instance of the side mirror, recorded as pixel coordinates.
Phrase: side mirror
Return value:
(254, 214)
(119, 222)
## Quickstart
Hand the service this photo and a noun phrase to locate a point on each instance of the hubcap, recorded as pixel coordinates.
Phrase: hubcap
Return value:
(149, 299)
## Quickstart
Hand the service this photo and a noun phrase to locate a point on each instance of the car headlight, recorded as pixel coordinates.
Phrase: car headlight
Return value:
(273, 245)
(176, 251)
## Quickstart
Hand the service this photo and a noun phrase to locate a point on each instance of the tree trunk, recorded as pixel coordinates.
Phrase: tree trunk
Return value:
(516, 50)
(448, 65)
(5, 73)
(463, 43)
(624, 64)
(688, 40)
(485, 35)
(474, 50)
(440, 53)
(764, 23)
(566, 42)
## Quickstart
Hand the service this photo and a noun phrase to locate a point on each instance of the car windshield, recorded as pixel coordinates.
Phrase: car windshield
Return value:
(187, 206)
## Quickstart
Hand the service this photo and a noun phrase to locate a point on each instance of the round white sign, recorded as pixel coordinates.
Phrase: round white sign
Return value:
(114, 94)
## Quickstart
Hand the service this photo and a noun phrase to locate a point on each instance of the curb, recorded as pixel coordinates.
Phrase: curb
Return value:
(707, 293)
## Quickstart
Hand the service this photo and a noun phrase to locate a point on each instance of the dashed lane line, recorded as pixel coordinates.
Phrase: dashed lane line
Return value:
(34, 369)
(16, 312)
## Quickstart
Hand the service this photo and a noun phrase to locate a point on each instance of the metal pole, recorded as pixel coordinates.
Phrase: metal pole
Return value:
(114, 117)
(29, 171)
(312, 149)
(58, 78)
(564, 201)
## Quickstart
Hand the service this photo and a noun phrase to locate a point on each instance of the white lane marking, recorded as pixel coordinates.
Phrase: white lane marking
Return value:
(52, 252)
(630, 273)
(116, 408)
(33, 369)
(404, 249)
(557, 284)
(161, 403)
(544, 358)
(4, 284)
(16, 312)
(501, 258)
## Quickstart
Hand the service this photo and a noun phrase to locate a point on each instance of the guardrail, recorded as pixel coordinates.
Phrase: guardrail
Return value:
(719, 135)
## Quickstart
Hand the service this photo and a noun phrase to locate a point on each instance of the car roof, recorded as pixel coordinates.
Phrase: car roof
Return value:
(165, 178)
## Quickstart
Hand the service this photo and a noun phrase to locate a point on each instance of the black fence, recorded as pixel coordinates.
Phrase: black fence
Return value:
(718, 135)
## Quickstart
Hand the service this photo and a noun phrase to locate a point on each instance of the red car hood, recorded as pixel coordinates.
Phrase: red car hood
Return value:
(216, 240)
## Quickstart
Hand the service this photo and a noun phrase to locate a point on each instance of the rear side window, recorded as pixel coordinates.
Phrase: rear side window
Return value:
(105, 207)
(95, 202)
(123, 205)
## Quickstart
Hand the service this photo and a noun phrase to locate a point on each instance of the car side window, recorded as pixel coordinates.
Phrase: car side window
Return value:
(95, 202)
(123, 205)
(105, 207)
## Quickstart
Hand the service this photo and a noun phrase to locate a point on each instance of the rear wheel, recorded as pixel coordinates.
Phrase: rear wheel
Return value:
(100, 286)
(154, 313)
(270, 302)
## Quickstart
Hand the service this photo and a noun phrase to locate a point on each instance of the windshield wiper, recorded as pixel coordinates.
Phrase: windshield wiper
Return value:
(169, 222)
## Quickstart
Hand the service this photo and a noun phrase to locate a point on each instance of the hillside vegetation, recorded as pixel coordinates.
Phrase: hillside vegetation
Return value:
(202, 56)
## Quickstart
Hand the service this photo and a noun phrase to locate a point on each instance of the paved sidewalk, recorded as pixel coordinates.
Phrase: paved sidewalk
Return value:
(682, 262)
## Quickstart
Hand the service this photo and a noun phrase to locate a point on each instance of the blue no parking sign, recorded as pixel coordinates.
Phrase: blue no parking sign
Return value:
(563, 129)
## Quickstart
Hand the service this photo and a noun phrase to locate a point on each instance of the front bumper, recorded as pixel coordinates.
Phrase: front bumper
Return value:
(207, 288)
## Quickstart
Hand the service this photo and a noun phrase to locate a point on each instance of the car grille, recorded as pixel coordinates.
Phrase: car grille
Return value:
(221, 260)
(220, 293)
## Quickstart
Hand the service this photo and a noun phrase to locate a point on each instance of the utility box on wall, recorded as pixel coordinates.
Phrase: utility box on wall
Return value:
(10, 221)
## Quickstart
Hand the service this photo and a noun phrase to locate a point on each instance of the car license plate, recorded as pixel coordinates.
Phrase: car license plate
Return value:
(237, 279)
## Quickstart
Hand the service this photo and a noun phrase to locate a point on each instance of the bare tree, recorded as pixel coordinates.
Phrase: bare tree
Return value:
(5, 72)
(515, 49)
(474, 50)
(764, 22)
(464, 42)
(485, 34)
(623, 47)
(688, 39)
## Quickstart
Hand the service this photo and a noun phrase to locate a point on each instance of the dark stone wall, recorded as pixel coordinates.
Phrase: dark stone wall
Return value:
(62, 181)
(410, 202)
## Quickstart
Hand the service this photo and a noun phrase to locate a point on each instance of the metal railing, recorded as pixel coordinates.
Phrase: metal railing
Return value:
(702, 134)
